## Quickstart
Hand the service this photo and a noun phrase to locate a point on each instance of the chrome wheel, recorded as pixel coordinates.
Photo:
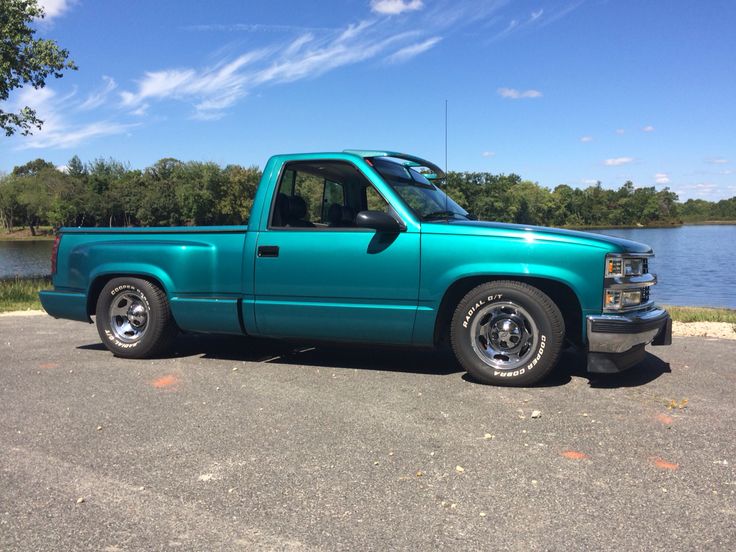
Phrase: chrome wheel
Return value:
(129, 316)
(504, 335)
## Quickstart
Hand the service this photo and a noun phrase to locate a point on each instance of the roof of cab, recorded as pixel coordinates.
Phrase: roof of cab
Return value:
(411, 160)
(408, 160)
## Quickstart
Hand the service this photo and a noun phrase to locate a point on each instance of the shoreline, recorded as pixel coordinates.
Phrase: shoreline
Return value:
(24, 235)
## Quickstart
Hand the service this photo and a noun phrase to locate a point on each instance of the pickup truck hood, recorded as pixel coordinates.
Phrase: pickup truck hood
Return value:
(620, 245)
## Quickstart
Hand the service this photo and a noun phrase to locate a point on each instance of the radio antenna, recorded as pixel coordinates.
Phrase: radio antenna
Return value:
(447, 213)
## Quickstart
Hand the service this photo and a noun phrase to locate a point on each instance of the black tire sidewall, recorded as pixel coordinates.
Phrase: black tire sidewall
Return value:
(533, 302)
(147, 342)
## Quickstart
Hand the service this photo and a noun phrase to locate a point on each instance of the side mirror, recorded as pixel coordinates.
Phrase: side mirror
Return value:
(378, 220)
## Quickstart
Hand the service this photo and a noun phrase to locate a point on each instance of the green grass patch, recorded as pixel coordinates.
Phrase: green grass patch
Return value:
(702, 314)
(21, 293)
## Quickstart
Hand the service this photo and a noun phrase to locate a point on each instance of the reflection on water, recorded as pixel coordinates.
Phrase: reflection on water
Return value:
(25, 258)
(695, 264)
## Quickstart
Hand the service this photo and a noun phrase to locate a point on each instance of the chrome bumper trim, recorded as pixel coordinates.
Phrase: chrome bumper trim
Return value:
(618, 333)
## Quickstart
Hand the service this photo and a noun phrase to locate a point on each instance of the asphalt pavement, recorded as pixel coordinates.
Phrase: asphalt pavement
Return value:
(238, 444)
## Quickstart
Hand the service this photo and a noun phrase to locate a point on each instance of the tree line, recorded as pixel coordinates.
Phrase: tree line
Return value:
(106, 192)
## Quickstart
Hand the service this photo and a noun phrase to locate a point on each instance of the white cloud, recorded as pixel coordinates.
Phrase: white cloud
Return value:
(488, 154)
(413, 50)
(57, 130)
(620, 131)
(586, 138)
(618, 161)
(214, 89)
(705, 188)
(395, 7)
(717, 160)
(514, 94)
(590, 181)
(648, 128)
(253, 28)
(662, 178)
(520, 24)
(97, 98)
(55, 8)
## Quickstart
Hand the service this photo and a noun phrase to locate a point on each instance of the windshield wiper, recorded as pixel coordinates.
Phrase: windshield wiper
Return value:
(443, 214)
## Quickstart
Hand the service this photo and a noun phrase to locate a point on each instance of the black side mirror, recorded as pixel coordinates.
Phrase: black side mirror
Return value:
(378, 220)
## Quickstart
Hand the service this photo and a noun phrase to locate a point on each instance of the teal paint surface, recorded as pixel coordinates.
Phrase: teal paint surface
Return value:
(206, 315)
(65, 305)
(327, 284)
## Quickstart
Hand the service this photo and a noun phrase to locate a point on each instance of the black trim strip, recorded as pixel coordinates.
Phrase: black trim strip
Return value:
(632, 327)
(136, 231)
(241, 321)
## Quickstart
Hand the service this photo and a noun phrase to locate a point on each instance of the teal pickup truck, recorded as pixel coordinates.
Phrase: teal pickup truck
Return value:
(361, 246)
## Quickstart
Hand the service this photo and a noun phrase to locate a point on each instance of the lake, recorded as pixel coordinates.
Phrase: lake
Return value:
(695, 264)
(25, 258)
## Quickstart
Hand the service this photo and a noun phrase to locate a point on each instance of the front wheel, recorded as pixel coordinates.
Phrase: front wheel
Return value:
(507, 333)
(133, 318)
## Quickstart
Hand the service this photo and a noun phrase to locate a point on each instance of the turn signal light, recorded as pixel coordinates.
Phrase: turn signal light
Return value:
(55, 253)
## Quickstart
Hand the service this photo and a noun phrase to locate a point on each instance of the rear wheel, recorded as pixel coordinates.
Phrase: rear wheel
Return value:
(507, 333)
(133, 318)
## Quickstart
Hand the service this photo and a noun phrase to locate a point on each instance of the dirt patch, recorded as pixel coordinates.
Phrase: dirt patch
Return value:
(722, 330)
(23, 313)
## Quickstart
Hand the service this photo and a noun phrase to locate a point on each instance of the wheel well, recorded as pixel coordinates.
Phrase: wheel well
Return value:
(101, 281)
(561, 295)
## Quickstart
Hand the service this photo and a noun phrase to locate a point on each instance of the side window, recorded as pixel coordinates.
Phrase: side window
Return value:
(322, 195)
(309, 188)
(334, 195)
(374, 200)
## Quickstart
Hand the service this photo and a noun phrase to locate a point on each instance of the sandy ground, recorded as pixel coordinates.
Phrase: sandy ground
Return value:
(722, 330)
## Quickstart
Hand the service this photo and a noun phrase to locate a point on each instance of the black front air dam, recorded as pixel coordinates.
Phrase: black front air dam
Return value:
(616, 342)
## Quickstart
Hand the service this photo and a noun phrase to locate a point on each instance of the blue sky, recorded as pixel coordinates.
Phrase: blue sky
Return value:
(559, 91)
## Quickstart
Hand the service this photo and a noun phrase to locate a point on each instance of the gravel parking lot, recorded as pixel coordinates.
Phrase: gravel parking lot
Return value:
(235, 444)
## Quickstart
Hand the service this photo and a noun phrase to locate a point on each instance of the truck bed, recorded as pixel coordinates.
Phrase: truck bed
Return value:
(202, 269)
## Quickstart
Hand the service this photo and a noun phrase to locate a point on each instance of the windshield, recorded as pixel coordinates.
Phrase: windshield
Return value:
(423, 197)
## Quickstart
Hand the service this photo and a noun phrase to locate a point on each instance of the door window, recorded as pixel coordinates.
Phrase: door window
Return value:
(323, 195)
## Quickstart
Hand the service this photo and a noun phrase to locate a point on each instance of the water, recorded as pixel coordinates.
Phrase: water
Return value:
(696, 265)
(25, 258)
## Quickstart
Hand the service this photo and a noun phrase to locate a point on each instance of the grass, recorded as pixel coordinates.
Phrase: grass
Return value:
(21, 293)
(702, 314)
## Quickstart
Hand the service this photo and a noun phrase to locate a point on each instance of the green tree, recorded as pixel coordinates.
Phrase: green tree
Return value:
(9, 206)
(33, 168)
(75, 167)
(25, 59)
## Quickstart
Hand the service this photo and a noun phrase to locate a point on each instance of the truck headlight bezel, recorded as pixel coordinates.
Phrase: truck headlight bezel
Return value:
(621, 266)
(627, 282)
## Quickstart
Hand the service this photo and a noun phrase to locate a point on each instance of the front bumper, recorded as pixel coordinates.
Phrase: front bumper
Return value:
(616, 341)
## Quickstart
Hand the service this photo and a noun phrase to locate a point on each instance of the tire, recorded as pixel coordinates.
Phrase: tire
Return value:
(134, 319)
(507, 333)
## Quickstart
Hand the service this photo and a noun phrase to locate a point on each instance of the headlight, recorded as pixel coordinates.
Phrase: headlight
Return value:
(627, 282)
(622, 299)
(619, 267)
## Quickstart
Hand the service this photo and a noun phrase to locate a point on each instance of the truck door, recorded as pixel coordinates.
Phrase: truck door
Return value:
(319, 276)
